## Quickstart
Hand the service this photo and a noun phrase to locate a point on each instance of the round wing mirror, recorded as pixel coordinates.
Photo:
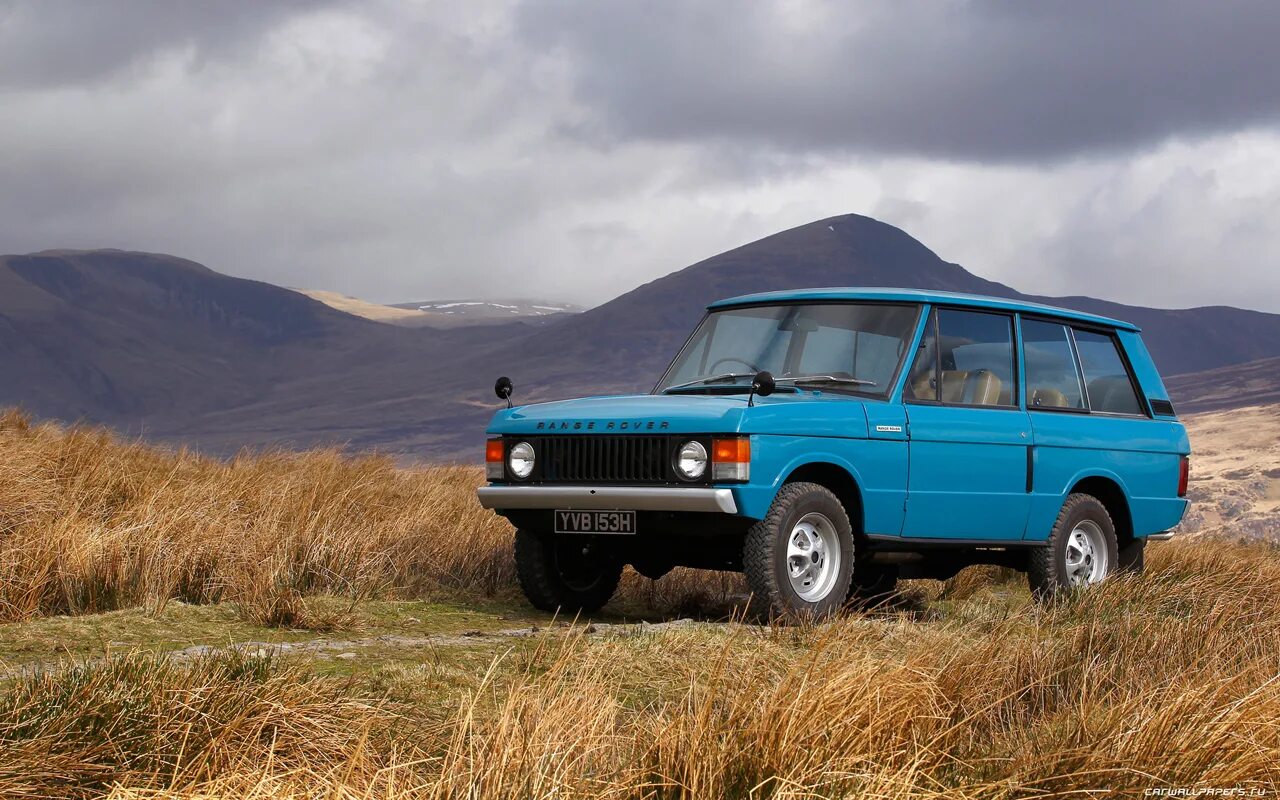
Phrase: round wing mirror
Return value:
(763, 384)
(503, 388)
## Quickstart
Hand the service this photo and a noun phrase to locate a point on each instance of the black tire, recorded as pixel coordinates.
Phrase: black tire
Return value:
(764, 554)
(1047, 565)
(557, 575)
(1132, 559)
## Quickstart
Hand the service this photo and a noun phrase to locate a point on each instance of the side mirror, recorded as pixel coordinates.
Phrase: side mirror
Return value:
(763, 384)
(503, 389)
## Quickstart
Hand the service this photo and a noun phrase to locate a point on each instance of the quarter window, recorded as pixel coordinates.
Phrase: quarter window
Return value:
(1052, 378)
(1106, 378)
(965, 359)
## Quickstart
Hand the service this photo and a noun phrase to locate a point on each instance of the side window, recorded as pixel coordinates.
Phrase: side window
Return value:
(1106, 378)
(975, 354)
(1052, 378)
(922, 381)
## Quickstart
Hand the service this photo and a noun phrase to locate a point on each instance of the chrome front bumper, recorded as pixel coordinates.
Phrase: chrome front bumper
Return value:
(607, 498)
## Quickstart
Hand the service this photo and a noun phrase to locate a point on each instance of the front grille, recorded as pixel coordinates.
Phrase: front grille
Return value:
(604, 459)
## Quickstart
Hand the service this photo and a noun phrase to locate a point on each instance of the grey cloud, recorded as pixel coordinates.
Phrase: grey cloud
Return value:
(45, 43)
(401, 151)
(988, 81)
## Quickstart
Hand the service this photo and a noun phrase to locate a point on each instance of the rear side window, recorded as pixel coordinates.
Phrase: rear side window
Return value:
(966, 359)
(1106, 378)
(1052, 378)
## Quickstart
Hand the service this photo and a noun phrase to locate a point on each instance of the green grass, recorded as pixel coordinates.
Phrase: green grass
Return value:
(375, 639)
(179, 626)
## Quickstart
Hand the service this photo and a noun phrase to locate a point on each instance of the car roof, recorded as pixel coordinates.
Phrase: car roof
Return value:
(918, 296)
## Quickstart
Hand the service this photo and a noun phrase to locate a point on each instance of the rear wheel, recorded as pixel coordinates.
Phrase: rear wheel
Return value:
(799, 559)
(1081, 550)
(566, 573)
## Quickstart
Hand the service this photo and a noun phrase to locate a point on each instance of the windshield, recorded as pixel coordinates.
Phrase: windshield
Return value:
(859, 344)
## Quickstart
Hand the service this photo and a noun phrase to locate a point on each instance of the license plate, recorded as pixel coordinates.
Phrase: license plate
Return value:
(622, 522)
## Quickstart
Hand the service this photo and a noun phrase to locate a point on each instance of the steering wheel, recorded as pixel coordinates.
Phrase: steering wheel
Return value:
(753, 367)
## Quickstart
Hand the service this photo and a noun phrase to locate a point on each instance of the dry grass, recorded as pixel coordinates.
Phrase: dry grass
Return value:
(90, 524)
(1166, 680)
(75, 731)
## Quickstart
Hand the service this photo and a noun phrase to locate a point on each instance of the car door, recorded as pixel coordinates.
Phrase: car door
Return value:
(969, 436)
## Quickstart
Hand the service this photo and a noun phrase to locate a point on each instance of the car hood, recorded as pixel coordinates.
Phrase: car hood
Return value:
(799, 414)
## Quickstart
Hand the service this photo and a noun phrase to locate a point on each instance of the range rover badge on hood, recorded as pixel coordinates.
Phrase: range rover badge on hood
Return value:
(605, 425)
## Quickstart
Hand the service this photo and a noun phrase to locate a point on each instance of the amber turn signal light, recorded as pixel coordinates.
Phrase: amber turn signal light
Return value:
(731, 459)
(495, 452)
(732, 450)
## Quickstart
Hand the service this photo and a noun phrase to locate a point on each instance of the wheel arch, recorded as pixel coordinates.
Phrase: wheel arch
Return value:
(1109, 491)
(837, 478)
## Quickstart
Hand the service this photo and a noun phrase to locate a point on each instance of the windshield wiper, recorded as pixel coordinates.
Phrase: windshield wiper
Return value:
(712, 379)
(802, 379)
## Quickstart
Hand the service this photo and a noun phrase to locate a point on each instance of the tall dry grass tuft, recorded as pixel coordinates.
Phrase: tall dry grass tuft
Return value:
(89, 523)
(76, 731)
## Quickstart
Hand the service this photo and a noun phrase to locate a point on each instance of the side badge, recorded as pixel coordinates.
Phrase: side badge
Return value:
(888, 429)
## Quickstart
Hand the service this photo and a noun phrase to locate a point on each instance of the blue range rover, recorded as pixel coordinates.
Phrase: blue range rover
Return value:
(827, 442)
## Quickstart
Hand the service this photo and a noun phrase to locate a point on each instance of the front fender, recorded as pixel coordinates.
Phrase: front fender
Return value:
(878, 468)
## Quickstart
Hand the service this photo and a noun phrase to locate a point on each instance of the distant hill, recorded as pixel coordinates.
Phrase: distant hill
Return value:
(116, 336)
(488, 312)
(391, 315)
(165, 347)
(446, 313)
(1249, 384)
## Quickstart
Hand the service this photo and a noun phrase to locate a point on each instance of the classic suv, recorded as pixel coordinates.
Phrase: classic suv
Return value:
(827, 442)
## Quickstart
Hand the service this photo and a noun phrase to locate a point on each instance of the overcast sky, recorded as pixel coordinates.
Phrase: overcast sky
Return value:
(574, 150)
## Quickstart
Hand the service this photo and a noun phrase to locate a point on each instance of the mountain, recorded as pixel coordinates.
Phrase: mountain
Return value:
(113, 336)
(150, 343)
(1254, 383)
(445, 313)
(169, 349)
(470, 312)
(625, 343)
(391, 315)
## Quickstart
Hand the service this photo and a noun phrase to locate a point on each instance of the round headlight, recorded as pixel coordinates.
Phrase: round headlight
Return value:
(691, 461)
(521, 460)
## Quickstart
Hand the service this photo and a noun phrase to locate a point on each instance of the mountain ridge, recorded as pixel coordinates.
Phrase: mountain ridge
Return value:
(165, 347)
(882, 256)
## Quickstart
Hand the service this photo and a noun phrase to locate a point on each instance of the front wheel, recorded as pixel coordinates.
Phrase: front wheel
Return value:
(799, 558)
(566, 573)
(1081, 550)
